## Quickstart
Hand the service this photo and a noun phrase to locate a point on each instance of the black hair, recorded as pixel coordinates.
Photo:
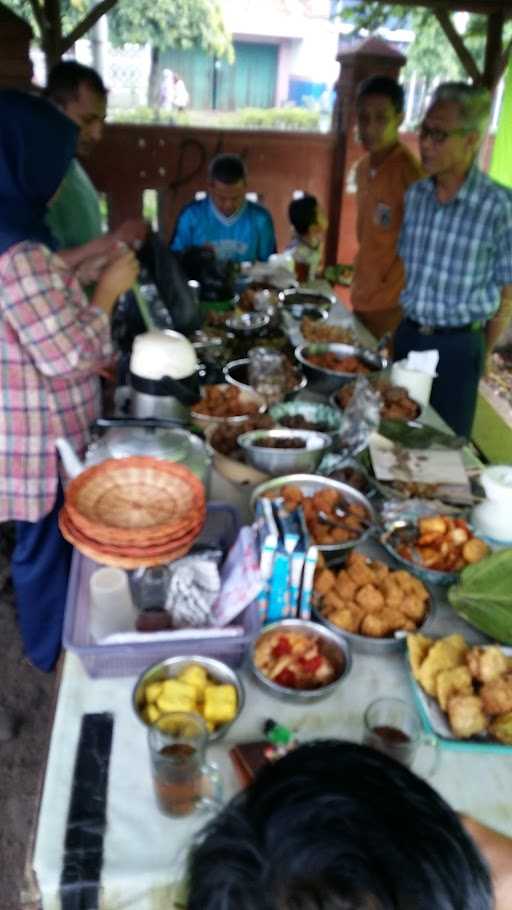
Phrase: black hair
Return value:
(337, 826)
(302, 213)
(227, 168)
(382, 85)
(65, 79)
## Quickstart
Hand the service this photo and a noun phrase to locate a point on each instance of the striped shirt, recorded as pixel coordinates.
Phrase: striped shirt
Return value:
(458, 254)
(52, 344)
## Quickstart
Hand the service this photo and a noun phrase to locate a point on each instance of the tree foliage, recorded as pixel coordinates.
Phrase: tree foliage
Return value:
(430, 54)
(57, 24)
(182, 24)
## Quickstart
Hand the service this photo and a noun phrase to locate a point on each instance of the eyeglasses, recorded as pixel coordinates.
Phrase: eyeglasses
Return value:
(437, 136)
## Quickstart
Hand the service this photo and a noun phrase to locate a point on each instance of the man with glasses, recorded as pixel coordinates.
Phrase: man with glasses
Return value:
(456, 245)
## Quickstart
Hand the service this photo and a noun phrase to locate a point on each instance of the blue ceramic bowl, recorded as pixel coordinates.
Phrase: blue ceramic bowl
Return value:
(331, 419)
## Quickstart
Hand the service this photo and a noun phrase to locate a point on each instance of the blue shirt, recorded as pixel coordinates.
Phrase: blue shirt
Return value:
(457, 255)
(246, 236)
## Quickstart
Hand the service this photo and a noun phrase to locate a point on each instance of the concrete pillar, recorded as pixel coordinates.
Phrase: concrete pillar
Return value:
(372, 57)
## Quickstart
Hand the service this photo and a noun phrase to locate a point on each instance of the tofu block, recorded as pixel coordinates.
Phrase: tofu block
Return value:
(152, 692)
(176, 696)
(220, 704)
(195, 676)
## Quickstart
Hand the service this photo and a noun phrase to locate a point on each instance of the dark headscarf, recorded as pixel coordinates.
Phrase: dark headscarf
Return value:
(37, 145)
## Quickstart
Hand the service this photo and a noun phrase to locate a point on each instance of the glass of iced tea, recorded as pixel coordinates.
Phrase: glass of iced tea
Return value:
(392, 726)
(184, 782)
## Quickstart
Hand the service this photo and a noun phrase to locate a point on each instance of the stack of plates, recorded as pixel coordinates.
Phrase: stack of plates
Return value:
(136, 511)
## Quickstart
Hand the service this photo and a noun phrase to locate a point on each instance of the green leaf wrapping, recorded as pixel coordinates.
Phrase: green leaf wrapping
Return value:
(483, 596)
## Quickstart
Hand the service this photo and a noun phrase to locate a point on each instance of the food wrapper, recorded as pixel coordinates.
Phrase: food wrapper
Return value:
(193, 588)
(284, 541)
(308, 577)
(241, 579)
(362, 417)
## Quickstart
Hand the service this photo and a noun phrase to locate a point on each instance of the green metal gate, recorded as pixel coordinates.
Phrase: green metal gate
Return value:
(248, 82)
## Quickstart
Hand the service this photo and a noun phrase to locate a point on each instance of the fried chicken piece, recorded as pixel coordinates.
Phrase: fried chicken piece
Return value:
(341, 535)
(393, 593)
(486, 663)
(375, 625)
(333, 601)
(381, 572)
(443, 655)
(497, 695)
(325, 499)
(453, 682)
(324, 581)
(434, 524)
(403, 579)
(345, 585)
(413, 608)
(418, 647)
(418, 589)
(370, 599)
(359, 569)
(292, 496)
(466, 715)
(348, 618)
(501, 728)
(474, 550)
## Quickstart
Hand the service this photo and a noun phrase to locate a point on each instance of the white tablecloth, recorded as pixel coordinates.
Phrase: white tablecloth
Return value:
(144, 851)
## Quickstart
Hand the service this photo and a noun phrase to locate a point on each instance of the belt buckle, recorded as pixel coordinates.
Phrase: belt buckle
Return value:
(426, 329)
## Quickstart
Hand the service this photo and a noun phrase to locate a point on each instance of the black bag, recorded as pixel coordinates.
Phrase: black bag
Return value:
(162, 268)
(216, 278)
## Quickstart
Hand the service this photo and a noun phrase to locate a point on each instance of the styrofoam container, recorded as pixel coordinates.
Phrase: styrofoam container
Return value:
(109, 660)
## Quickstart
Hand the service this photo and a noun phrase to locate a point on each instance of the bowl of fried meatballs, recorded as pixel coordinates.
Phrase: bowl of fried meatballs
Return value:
(370, 603)
(329, 366)
(337, 516)
(223, 403)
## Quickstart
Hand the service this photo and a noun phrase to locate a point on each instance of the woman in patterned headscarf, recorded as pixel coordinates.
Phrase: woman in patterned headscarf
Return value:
(53, 343)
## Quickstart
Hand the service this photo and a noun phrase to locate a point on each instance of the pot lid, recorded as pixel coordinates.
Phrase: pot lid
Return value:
(157, 354)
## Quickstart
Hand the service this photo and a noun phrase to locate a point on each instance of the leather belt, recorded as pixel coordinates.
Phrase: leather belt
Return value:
(475, 326)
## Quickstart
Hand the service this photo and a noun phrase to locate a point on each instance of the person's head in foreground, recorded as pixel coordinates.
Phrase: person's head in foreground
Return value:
(308, 219)
(337, 826)
(453, 127)
(227, 184)
(380, 111)
(79, 91)
(37, 145)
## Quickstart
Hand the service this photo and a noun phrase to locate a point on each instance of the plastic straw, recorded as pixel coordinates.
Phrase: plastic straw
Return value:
(143, 308)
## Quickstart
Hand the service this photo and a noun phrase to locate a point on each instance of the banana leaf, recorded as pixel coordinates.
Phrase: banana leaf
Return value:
(419, 436)
(483, 596)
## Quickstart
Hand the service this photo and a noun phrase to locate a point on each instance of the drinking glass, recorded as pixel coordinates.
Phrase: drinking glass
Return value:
(184, 782)
(392, 726)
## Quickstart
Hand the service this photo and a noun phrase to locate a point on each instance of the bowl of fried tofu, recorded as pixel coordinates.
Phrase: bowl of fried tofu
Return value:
(198, 684)
(370, 603)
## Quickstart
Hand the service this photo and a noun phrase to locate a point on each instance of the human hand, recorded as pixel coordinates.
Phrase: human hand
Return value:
(119, 275)
(133, 232)
(90, 269)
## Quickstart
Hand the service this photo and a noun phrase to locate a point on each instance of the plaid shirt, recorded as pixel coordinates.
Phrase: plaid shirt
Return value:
(52, 343)
(457, 255)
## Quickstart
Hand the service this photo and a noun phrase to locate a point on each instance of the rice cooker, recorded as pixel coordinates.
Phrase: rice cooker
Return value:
(164, 376)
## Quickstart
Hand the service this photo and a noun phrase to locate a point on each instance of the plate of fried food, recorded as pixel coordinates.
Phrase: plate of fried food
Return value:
(319, 331)
(337, 516)
(396, 403)
(463, 692)
(435, 547)
(370, 603)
